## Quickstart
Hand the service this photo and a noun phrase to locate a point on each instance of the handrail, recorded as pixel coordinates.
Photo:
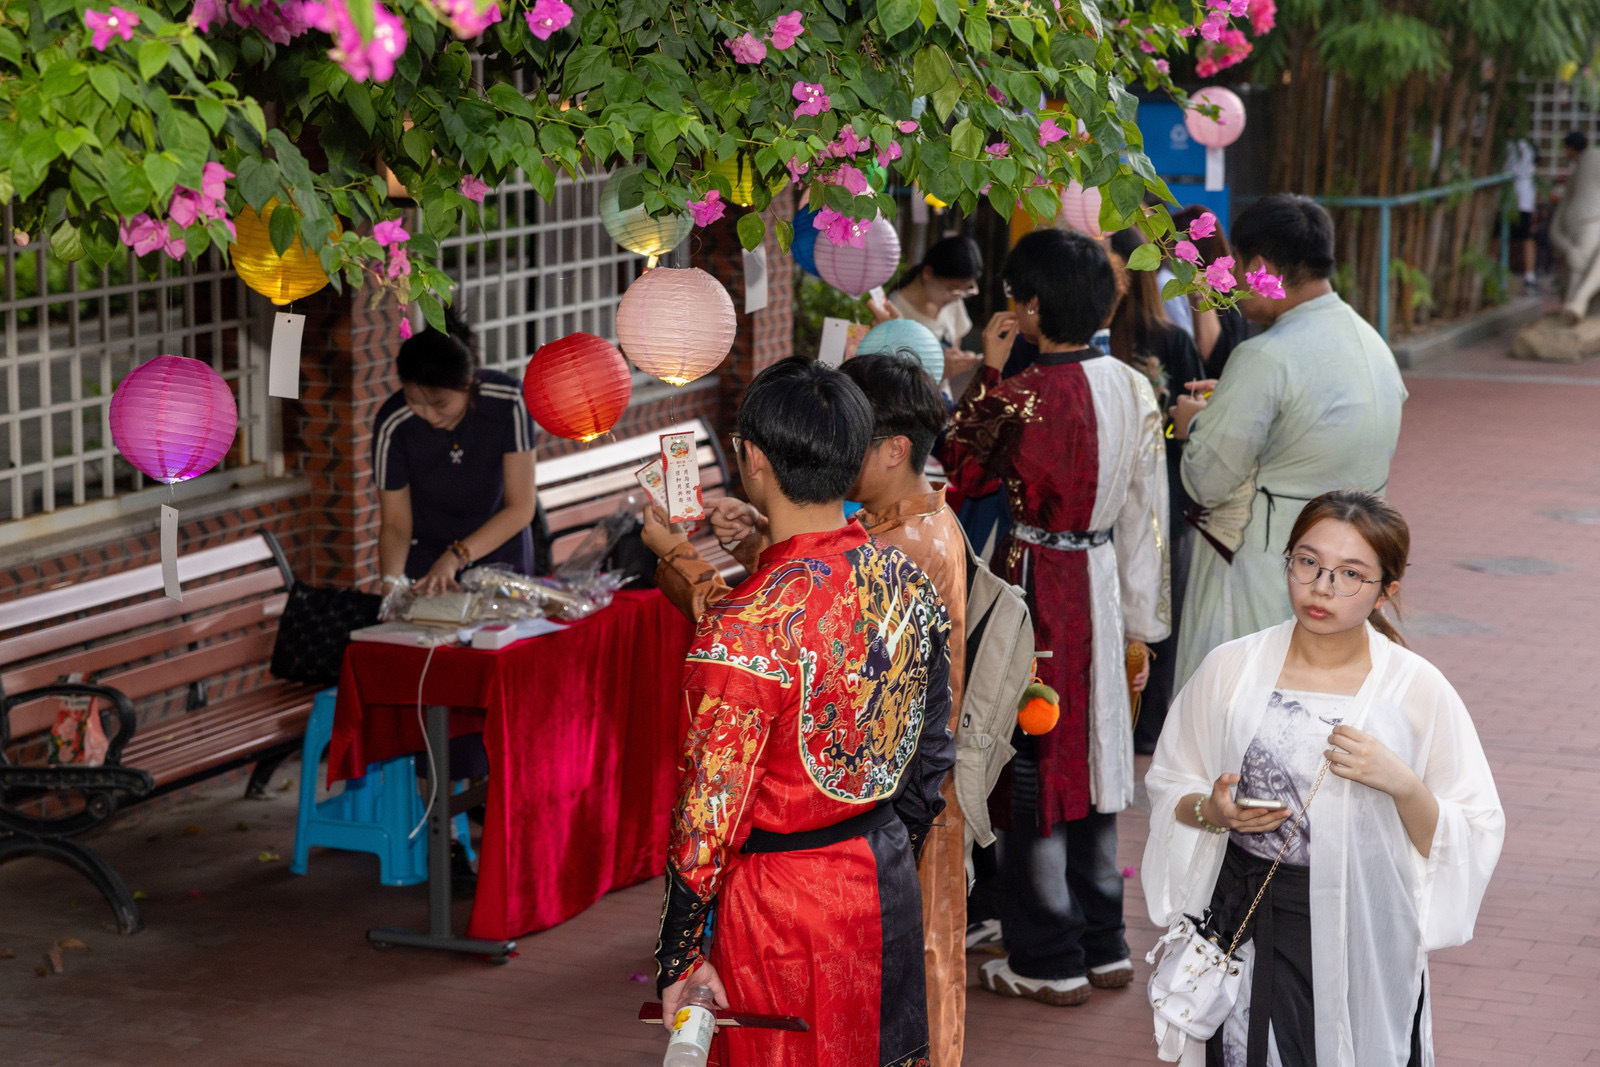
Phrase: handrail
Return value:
(1386, 206)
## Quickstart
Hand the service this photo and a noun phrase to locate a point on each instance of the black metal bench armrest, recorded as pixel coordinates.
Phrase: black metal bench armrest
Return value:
(114, 701)
(104, 790)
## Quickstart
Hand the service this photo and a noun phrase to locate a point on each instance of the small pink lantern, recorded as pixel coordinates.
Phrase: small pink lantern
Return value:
(173, 418)
(1215, 133)
(857, 271)
(1080, 209)
(676, 324)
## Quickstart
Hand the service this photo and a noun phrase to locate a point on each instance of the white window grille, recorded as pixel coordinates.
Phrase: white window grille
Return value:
(1556, 108)
(538, 271)
(72, 333)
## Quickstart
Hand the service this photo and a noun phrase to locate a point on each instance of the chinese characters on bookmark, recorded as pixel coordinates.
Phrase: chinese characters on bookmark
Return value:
(682, 478)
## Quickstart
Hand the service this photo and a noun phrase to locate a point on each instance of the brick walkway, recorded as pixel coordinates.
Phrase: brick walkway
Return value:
(243, 963)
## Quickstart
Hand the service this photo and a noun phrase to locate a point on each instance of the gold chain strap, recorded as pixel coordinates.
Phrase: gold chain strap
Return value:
(1293, 832)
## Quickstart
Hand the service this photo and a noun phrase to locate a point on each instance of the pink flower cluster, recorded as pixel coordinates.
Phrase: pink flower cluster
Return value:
(748, 48)
(1229, 49)
(547, 18)
(280, 21)
(1219, 275)
(1049, 133)
(813, 100)
(474, 188)
(841, 229)
(709, 210)
(1226, 46)
(392, 235)
(363, 60)
(145, 234)
(109, 24)
(464, 18)
(1263, 16)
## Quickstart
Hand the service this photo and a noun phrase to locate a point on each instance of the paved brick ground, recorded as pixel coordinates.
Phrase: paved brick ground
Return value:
(245, 964)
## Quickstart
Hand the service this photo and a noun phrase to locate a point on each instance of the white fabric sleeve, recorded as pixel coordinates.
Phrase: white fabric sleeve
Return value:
(1227, 438)
(1471, 829)
(1140, 532)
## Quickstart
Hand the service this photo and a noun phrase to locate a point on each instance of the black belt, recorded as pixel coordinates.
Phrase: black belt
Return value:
(856, 826)
(1272, 504)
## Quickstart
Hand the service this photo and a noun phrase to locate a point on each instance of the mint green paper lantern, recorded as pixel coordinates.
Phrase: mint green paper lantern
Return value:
(897, 334)
(630, 225)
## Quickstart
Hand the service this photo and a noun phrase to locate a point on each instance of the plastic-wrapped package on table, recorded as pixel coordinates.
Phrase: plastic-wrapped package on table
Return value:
(555, 597)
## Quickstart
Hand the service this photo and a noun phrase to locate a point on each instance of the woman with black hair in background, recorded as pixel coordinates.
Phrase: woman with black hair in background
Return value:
(1144, 338)
(933, 293)
(453, 454)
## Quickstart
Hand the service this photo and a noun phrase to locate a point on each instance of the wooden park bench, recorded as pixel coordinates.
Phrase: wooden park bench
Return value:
(132, 652)
(578, 490)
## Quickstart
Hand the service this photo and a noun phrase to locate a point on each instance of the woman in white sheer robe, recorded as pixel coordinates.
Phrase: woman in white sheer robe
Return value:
(1395, 867)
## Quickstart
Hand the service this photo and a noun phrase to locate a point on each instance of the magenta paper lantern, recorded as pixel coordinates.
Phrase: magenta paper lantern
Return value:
(1080, 209)
(173, 418)
(857, 271)
(676, 324)
(1223, 130)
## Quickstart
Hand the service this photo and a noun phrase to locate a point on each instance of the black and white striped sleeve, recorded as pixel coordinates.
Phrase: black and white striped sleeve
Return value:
(388, 457)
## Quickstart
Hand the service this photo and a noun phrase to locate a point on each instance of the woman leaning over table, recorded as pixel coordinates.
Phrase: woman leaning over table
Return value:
(453, 454)
(1396, 846)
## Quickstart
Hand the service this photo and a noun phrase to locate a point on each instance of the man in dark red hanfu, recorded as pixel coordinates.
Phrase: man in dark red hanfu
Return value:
(819, 699)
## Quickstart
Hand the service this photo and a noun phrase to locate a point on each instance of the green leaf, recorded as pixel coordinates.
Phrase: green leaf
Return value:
(418, 145)
(254, 115)
(945, 99)
(783, 230)
(126, 184)
(66, 242)
(214, 113)
(752, 228)
(1173, 288)
(978, 35)
(258, 180)
(600, 143)
(70, 140)
(283, 227)
(162, 170)
(104, 80)
(929, 70)
(358, 98)
(1145, 257)
(966, 139)
(897, 15)
(543, 180)
(153, 56)
(7, 189)
(507, 98)
(586, 68)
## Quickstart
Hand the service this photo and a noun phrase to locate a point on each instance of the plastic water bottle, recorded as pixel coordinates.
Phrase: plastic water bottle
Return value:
(696, 1021)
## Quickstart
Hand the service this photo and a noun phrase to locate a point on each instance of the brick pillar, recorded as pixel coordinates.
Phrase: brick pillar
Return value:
(348, 364)
(768, 335)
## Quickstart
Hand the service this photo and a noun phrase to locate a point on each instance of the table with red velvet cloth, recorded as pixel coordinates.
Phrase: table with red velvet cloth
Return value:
(582, 728)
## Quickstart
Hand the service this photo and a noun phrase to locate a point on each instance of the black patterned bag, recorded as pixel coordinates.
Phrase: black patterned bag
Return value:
(314, 630)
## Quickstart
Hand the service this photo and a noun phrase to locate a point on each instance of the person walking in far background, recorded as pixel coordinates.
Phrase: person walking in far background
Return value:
(1522, 161)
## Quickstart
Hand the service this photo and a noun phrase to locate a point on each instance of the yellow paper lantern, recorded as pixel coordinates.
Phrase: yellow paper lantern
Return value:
(741, 175)
(282, 279)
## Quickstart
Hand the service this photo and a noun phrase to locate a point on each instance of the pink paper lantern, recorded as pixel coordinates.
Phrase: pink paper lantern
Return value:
(173, 418)
(856, 271)
(676, 324)
(1223, 130)
(1080, 209)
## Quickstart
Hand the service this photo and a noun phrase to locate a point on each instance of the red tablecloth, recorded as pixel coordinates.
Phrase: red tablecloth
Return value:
(582, 729)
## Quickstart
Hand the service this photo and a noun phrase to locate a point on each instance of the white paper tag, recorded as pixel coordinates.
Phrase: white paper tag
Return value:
(283, 365)
(835, 332)
(919, 208)
(169, 552)
(652, 476)
(876, 294)
(1215, 175)
(755, 279)
(682, 478)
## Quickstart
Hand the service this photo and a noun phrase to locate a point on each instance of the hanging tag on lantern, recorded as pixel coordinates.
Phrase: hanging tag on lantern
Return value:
(919, 208)
(755, 279)
(283, 364)
(1214, 169)
(652, 476)
(682, 478)
(169, 553)
(835, 333)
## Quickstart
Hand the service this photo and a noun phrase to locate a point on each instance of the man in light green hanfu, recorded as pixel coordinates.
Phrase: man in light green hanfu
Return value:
(1310, 405)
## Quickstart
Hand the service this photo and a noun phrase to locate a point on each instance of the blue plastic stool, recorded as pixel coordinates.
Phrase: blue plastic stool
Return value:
(375, 813)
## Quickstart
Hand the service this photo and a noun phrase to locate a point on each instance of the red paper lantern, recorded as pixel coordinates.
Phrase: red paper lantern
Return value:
(577, 387)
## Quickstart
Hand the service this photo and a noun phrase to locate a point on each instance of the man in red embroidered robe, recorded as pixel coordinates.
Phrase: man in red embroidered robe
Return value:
(1076, 438)
(818, 692)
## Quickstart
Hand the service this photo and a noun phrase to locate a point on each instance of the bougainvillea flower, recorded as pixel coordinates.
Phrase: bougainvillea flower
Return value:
(852, 179)
(142, 233)
(185, 207)
(996, 95)
(405, 323)
(885, 155)
(851, 143)
(705, 212)
(206, 12)
(1186, 251)
(841, 229)
(907, 126)
(796, 169)
(390, 232)
(1267, 284)
(1263, 16)
(474, 188)
(1163, 66)
(785, 30)
(746, 48)
(547, 17)
(109, 24)
(1220, 275)
(999, 148)
(1204, 226)
(1211, 29)
(281, 22)
(813, 101)
(399, 262)
(465, 19)
(1049, 132)
(1239, 8)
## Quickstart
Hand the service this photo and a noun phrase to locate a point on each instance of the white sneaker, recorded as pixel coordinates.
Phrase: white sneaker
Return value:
(997, 977)
(1111, 975)
(985, 934)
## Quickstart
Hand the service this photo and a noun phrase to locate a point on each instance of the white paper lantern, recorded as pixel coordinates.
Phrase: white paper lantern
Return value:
(1080, 209)
(856, 271)
(676, 324)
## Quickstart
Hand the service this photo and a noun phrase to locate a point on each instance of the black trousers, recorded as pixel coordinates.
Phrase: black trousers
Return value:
(1280, 984)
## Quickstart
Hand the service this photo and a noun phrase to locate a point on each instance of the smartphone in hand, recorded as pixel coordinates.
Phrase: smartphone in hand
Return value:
(1264, 805)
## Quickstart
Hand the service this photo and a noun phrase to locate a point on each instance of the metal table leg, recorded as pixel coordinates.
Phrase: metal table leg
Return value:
(439, 935)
